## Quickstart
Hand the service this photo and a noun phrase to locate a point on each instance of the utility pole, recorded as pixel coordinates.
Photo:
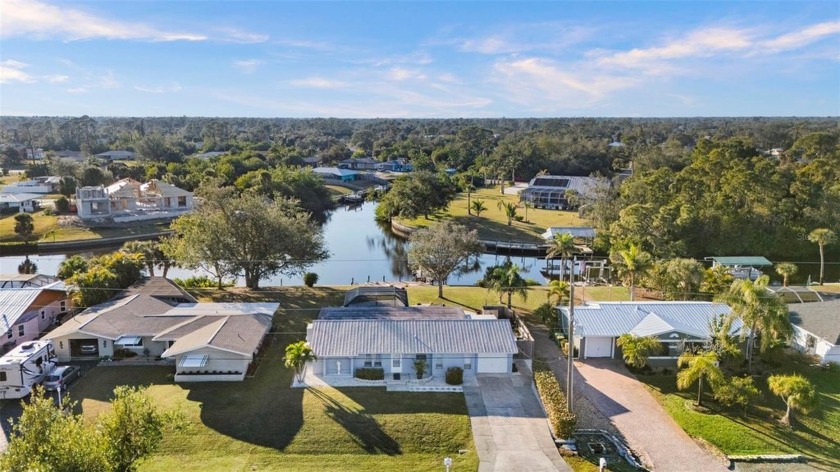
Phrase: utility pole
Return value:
(571, 342)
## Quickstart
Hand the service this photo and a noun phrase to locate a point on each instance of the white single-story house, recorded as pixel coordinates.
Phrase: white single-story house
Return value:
(549, 191)
(578, 232)
(27, 311)
(155, 318)
(816, 329)
(676, 324)
(19, 202)
(116, 155)
(395, 337)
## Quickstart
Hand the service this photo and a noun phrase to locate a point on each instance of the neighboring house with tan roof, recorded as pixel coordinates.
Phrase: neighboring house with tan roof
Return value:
(207, 341)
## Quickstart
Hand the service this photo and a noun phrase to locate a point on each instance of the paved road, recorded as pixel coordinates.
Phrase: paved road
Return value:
(606, 391)
(509, 428)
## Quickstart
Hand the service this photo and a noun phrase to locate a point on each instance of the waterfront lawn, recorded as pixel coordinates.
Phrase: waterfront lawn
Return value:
(816, 435)
(47, 229)
(263, 424)
(492, 224)
(337, 191)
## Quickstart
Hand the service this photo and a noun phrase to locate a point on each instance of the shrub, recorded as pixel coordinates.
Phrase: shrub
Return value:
(739, 391)
(454, 376)
(49, 211)
(561, 419)
(199, 282)
(546, 314)
(519, 218)
(310, 279)
(62, 204)
(370, 373)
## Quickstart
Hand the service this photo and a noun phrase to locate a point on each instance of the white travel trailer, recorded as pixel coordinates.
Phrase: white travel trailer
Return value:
(24, 366)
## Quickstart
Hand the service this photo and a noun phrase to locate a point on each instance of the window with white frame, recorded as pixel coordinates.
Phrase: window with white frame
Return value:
(467, 365)
(43, 314)
(368, 360)
(10, 334)
(377, 360)
(21, 330)
(62, 305)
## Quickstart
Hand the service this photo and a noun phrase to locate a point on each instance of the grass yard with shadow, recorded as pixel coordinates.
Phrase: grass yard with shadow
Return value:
(492, 224)
(263, 424)
(816, 435)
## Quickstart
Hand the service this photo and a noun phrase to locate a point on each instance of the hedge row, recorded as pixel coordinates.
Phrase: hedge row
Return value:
(562, 420)
(370, 373)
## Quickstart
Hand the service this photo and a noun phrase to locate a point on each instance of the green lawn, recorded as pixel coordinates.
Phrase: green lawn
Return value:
(263, 424)
(48, 230)
(817, 435)
(337, 191)
(492, 224)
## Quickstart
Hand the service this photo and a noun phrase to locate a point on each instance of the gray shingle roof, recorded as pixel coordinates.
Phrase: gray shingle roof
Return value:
(332, 338)
(647, 318)
(818, 318)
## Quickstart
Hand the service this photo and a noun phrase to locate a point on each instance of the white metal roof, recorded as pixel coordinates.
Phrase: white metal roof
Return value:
(332, 338)
(613, 319)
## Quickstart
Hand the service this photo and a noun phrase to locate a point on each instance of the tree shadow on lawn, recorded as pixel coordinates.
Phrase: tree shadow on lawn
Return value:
(362, 427)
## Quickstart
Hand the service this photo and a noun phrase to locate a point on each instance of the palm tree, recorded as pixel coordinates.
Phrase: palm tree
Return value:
(509, 209)
(760, 310)
(632, 263)
(699, 367)
(786, 269)
(150, 252)
(24, 226)
(507, 281)
(637, 349)
(478, 207)
(297, 355)
(822, 237)
(563, 246)
(558, 289)
(797, 392)
(526, 204)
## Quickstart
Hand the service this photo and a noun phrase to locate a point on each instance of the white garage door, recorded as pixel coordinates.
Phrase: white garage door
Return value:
(598, 347)
(493, 364)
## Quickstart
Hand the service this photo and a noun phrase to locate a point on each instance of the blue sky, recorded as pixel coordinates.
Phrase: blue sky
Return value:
(425, 59)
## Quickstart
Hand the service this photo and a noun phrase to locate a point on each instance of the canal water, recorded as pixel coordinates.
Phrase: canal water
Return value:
(361, 250)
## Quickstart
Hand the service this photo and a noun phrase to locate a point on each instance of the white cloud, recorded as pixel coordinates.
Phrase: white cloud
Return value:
(76, 90)
(803, 37)
(247, 66)
(704, 42)
(12, 71)
(174, 87)
(318, 83)
(546, 85)
(233, 35)
(400, 74)
(33, 18)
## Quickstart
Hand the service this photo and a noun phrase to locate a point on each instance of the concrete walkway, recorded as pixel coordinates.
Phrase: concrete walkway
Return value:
(509, 428)
(616, 396)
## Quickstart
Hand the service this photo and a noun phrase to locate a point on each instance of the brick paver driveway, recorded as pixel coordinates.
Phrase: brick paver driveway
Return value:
(641, 419)
(510, 431)
(605, 391)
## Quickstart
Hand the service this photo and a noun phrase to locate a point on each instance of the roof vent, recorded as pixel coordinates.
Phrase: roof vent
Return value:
(26, 347)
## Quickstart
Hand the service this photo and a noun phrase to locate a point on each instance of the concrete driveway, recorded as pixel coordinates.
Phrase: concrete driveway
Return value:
(510, 431)
(646, 426)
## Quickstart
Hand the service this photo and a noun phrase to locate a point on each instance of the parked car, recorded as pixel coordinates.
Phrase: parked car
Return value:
(61, 377)
(88, 349)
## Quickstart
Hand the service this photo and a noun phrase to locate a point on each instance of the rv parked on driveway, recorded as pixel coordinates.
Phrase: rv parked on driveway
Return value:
(24, 366)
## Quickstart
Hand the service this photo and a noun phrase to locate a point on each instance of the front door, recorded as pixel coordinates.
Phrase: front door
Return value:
(396, 367)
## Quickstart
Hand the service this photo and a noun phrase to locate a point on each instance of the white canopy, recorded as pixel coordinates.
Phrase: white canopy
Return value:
(194, 360)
